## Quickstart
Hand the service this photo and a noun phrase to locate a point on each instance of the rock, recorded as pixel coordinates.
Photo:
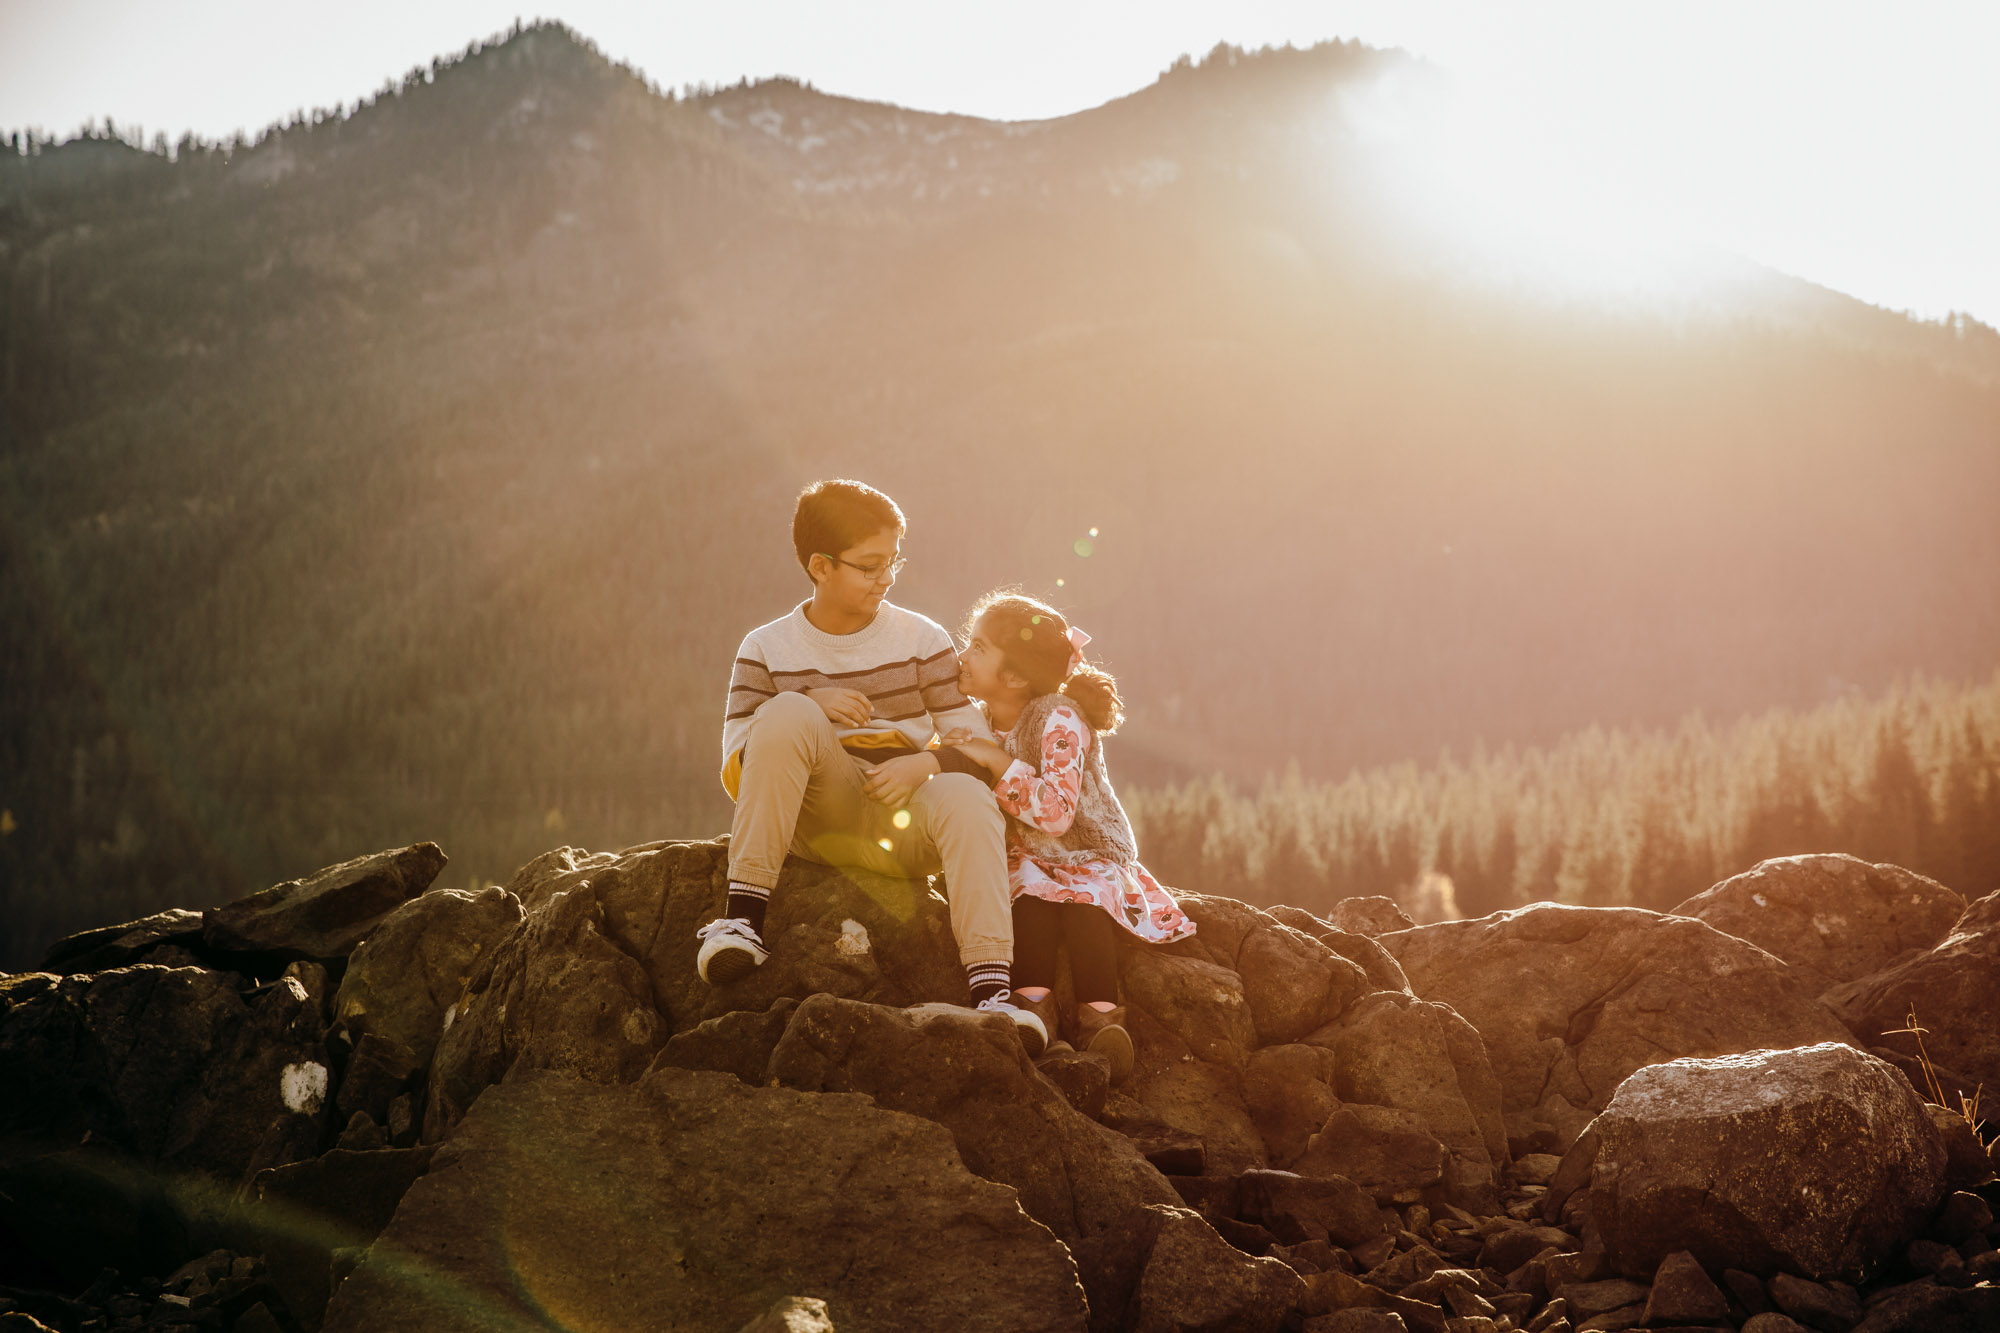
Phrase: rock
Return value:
(1376, 963)
(1966, 1162)
(1172, 1151)
(1193, 1281)
(1368, 916)
(1084, 1079)
(602, 970)
(1505, 1251)
(1954, 990)
(1536, 1168)
(1196, 1098)
(325, 915)
(298, 1215)
(969, 1073)
(115, 946)
(1289, 1094)
(1299, 1208)
(1396, 1051)
(362, 1134)
(1357, 1321)
(1814, 1304)
(1933, 1257)
(1291, 982)
(1746, 1290)
(738, 1043)
(1199, 1003)
(379, 1070)
(1772, 1322)
(1961, 1217)
(691, 1201)
(793, 1314)
(1683, 1294)
(181, 1067)
(559, 993)
(401, 979)
(1834, 918)
(1586, 1300)
(257, 1319)
(1387, 1152)
(1700, 1155)
(1570, 1000)
(1925, 1307)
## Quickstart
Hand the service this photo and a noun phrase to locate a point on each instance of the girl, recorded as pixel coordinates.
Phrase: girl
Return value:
(1071, 862)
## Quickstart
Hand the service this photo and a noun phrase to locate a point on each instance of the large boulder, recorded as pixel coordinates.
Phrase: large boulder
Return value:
(559, 992)
(298, 1216)
(1834, 918)
(401, 979)
(689, 1200)
(1087, 1184)
(601, 972)
(1422, 1059)
(182, 1068)
(1571, 1000)
(326, 914)
(1818, 1161)
(1954, 991)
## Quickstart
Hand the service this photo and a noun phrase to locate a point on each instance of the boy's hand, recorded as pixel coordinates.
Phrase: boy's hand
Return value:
(843, 708)
(894, 781)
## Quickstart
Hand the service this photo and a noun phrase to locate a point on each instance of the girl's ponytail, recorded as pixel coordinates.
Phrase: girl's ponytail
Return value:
(1095, 694)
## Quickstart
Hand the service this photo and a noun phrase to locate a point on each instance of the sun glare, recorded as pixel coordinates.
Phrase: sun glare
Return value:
(1477, 181)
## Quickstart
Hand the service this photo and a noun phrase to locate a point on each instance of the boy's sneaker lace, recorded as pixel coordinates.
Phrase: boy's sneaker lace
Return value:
(1034, 1034)
(730, 950)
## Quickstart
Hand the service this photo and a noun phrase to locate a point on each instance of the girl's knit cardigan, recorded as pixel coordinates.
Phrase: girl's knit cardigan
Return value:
(1100, 830)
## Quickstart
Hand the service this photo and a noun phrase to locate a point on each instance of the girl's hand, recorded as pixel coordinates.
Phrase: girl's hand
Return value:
(981, 751)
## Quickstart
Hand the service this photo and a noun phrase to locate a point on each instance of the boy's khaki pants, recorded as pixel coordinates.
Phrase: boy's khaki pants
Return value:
(800, 792)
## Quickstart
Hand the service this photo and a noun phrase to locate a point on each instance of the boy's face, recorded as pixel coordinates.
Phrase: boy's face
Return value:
(857, 579)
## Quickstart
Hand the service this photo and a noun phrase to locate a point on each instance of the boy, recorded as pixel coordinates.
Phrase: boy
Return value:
(826, 751)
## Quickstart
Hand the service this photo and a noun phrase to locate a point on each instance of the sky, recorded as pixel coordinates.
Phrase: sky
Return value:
(1850, 144)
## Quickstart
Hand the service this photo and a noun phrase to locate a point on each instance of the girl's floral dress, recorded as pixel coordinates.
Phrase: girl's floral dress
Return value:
(1048, 800)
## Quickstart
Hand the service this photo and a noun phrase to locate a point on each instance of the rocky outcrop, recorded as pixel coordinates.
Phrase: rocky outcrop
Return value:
(689, 1200)
(1833, 918)
(1309, 1141)
(182, 1068)
(1571, 1000)
(325, 915)
(1817, 1161)
(1953, 989)
(402, 978)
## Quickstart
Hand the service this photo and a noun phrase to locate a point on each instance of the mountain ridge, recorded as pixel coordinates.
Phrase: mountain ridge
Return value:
(416, 489)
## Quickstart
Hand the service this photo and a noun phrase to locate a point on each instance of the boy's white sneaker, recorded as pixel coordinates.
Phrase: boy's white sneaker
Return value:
(1034, 1033)
(730, 950)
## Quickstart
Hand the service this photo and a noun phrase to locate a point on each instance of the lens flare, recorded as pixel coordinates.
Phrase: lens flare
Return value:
(901, 819)
(1085, 547)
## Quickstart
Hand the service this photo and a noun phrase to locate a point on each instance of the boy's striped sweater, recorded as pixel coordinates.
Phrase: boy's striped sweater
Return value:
(904, 662)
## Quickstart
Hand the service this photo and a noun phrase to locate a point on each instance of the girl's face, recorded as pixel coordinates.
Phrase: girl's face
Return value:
(981, 671)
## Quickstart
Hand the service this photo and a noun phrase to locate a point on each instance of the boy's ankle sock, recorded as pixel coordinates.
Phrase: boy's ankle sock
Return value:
(989, 981)
(747, 901)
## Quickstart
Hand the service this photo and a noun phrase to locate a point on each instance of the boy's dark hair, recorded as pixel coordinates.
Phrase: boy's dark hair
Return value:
(1033, 639)
(834, 515)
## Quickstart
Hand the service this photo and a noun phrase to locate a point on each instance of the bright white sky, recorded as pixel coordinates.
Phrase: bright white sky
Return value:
(1857, 145)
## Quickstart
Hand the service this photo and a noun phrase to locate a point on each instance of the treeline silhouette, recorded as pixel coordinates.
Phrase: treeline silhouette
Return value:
(1609, 818)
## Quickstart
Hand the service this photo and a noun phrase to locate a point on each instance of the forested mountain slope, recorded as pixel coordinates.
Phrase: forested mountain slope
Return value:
(412, 472)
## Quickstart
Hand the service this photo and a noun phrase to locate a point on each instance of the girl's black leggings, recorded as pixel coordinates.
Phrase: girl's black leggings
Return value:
(1088, 930)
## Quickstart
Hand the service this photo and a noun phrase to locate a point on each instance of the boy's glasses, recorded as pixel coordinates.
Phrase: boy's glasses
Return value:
(873, 573)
